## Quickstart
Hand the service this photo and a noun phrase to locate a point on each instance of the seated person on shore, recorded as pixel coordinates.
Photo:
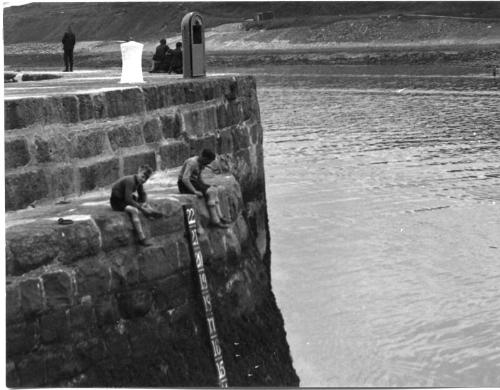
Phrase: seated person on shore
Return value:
(190, 182)
(159, 56)
(176, 63)
(167, 61)
(124, 199)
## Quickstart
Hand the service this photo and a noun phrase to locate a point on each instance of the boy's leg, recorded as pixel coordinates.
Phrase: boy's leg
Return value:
(134, 215)
(214, 206)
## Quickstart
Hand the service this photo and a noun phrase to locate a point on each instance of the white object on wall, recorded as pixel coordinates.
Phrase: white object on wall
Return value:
(131, 62)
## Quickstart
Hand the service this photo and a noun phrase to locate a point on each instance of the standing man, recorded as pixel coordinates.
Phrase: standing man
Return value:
(68, 46)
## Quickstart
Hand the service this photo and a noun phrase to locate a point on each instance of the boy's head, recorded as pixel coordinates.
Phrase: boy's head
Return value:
(206, 157)
(144, 173)
(163, 41)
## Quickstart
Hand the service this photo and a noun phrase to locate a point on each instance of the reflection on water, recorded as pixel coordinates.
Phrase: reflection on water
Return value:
(384, 204)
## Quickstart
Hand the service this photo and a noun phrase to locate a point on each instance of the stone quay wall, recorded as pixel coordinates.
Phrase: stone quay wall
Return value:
(87, 306)
(74, 143)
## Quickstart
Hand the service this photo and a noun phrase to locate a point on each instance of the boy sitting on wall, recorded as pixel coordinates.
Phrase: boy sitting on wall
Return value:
(124, 199)
(190, 182)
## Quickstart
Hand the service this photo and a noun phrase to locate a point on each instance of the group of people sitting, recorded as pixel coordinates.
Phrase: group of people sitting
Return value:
(166, 60)
(128, 195)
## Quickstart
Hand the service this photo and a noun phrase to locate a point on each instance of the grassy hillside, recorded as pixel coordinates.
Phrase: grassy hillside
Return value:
(46, 22)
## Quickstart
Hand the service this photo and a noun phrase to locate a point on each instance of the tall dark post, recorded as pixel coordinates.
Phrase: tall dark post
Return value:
(193, 43)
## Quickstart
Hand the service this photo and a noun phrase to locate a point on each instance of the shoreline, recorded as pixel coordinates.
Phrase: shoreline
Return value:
(481, 55)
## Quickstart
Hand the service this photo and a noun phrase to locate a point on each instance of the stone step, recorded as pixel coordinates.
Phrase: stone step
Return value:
(34, 238)
(112, 102)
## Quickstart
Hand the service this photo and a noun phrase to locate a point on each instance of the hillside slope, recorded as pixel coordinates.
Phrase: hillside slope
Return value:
(46, 22)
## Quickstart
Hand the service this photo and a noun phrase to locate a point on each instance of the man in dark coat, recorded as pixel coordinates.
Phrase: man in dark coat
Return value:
(176, 63)
(68, 42)
(159, 57)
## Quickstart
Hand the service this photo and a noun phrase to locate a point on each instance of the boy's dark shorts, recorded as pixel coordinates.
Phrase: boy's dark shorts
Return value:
(117, 204)
(197, 184)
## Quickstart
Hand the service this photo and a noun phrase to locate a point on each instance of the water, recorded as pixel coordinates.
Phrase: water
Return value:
(383, 189)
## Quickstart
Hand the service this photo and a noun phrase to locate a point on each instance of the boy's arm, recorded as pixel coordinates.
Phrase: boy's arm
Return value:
(142, 194)
(127, 196)
(186, 179)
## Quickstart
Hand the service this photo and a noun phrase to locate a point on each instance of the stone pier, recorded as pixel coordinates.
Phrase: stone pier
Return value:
(87, 306)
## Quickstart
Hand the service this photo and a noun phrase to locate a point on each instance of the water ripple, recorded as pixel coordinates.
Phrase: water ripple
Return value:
(383, 197)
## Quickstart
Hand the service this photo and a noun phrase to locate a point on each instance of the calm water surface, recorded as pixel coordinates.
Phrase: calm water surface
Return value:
(383, 188)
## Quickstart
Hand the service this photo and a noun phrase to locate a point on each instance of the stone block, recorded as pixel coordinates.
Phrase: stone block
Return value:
(62, 363)
(106, 310)
(211, 118)
(54, 327)
(174, 154)
(183, 255)
(164, 96)
(116, 230)
(53, 110)
(116, 340)
(70, 107)
(92, 277)
(143, 336)
(256, 133)
(60, 180)
(225, 143)
(85, 107)
(193, 121)
(193, 92)
(200, 120)
(135, 303)
(20, 338)
(241, 230)
(231, 90)
(91, 349)
(125, 136)
(56, 148)
(38, 243)
(176, 95)
(10, 263)
(12, 119)
(208, 91)
(58, 289)
(98, 103)
(216, 249)
(23, 112)
(124, 102)
(157, 262)
(152, 130)
(234, 113)
(98, 174)
(132, 162)
(171, 222)
(251, 110)
(32, 301)
(173, 292)
(31, 370)
(12, 379)
(124, 268)
(196, 145)
(241, 137)
(13, 303)
(151, 98)
(170, 125)
(89, 144)
(16, 153)
(81, 318)
(22, 188)
(222, 116)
